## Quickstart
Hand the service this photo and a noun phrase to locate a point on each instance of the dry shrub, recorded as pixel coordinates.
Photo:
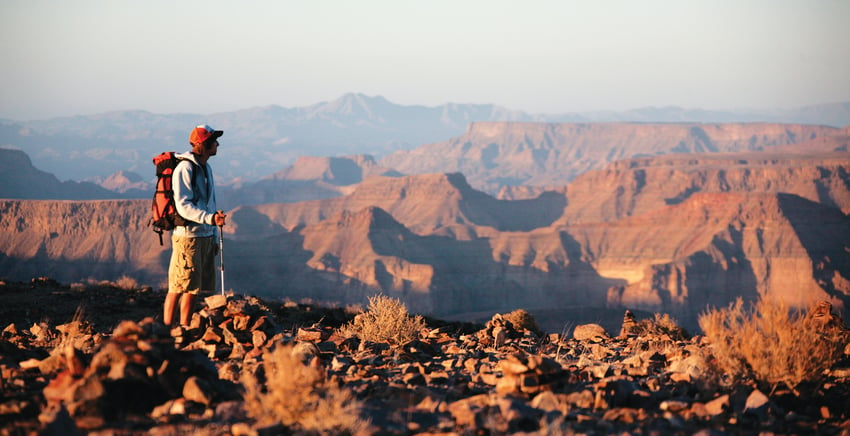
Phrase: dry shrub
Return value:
(124, 282)
(127, 283)
(521, 319)
(663, 325)
(385, 320)
(770, 343)
(297, 395)
(78, 333)
(659, 334)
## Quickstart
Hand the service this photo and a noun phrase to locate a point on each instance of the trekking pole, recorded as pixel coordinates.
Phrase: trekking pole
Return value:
(221, 253)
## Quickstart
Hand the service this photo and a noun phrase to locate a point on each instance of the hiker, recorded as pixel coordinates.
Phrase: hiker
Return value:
(194, 246)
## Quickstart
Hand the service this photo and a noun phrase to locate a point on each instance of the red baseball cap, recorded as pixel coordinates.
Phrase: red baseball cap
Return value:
(202, 133)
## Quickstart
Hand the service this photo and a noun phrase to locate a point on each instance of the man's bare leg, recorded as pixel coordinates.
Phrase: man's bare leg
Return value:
(168, 307)
(186, 308)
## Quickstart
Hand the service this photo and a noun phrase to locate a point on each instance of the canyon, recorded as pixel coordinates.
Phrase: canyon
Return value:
(654, 218)
(494, 155)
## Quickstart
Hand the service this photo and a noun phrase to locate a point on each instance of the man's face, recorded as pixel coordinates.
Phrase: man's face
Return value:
(213, 149)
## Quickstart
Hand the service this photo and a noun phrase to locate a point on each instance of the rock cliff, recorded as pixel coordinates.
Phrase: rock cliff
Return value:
(670, 233)
(714, 247)
(428, 203)
(309, 178)
(635, 186)
(78, 240)
(20, 179)
(497, 154)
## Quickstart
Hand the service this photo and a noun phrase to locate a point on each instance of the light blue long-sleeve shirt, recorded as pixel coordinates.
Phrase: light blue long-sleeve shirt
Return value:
(194, 202)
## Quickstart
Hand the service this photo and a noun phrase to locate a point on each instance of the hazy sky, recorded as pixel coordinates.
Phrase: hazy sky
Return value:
(84, 57)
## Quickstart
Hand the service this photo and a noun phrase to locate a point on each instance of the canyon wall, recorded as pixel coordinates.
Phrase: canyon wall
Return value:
(493, 155)
(672, 233)
(75, 241)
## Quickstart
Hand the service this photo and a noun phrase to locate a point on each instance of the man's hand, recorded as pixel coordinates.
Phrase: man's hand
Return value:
(219, 218)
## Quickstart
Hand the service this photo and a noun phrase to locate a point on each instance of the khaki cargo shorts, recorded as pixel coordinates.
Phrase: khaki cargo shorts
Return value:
(192, 267)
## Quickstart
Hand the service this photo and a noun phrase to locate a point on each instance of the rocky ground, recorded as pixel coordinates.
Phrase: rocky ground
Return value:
(95, 359)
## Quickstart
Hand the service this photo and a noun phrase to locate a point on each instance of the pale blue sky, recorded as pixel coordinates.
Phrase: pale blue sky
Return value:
(90, 56)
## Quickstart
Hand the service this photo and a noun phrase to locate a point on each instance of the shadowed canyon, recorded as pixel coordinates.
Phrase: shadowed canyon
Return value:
(553, 218)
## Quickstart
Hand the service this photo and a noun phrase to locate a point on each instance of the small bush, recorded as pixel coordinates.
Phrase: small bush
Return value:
(770, 343)
(523, 320)
(663, 325)
(297, 395)
(385, 320)
(127, 283)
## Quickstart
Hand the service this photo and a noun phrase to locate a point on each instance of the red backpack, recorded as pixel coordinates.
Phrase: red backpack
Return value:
(165, 216)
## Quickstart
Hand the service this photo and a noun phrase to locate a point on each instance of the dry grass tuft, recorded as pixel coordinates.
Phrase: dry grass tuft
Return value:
(385, 320)
(297, 395)
(770, 343)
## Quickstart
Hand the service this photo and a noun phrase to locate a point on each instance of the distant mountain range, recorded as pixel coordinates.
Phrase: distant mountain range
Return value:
(264, 140)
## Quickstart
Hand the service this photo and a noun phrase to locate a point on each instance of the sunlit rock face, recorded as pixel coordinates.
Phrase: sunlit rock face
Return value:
(671, 233)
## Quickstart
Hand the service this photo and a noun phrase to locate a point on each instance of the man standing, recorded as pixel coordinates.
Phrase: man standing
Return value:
(194, 247)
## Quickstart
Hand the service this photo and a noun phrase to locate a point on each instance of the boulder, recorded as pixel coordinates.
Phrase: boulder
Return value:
(590, 332)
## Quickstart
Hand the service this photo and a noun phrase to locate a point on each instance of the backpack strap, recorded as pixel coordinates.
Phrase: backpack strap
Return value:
(159, 232)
